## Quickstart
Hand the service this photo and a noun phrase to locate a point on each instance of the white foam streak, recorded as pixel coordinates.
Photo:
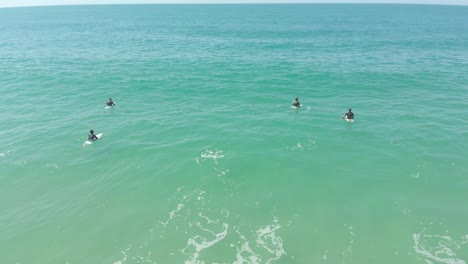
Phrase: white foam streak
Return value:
(172, 214)
(123, 259)
(208, 220)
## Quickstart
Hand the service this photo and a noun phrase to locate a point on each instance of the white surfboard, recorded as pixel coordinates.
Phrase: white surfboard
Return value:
(349, 120)
(87, 142)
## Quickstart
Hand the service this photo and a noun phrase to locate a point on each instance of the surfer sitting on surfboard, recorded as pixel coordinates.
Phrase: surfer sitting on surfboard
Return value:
(91, 136)
(349, 115)
(296, 103)
(110, 102)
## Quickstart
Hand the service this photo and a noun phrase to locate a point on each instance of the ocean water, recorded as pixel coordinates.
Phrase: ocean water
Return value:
(203, 160)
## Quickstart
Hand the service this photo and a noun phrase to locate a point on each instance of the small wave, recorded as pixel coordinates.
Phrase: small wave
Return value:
(204, 230)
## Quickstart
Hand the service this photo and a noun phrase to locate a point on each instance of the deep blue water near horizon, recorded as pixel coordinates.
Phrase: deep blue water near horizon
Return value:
(203, 160)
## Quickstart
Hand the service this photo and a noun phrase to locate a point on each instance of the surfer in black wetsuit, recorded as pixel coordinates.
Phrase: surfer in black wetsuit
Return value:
(110, 102)
(91, 136)
(349, 115)
(296, 103)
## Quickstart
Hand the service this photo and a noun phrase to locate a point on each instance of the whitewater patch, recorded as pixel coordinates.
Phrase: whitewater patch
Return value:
(197, 243)
(438, 248)
(210, 154)
(265, 247)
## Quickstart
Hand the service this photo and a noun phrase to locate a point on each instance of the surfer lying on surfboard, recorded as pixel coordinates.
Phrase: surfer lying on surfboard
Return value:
(349, 115)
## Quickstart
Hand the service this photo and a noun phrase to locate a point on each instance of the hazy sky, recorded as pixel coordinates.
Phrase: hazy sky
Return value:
(9, 3)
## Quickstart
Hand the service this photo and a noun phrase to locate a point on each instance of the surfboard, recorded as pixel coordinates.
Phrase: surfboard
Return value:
(87, 142)
(349, 120)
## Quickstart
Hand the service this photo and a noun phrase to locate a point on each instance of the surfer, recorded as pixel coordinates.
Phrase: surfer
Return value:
(349, 115)
(296, 103)
(91, 136)
(110, 102)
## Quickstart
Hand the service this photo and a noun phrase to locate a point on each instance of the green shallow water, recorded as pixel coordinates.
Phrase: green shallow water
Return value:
(204, 161)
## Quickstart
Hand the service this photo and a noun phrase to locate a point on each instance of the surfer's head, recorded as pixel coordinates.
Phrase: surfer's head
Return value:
(110, 99)
(349, 109)
(91, 131)
(297, 99)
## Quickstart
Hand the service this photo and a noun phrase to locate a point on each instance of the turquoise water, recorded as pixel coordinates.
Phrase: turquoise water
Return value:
(203, 160)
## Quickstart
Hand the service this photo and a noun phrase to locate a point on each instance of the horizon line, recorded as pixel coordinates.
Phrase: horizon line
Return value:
(232, 3)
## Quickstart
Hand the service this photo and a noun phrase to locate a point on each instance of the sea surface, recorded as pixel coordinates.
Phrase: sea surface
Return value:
(203, 160)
